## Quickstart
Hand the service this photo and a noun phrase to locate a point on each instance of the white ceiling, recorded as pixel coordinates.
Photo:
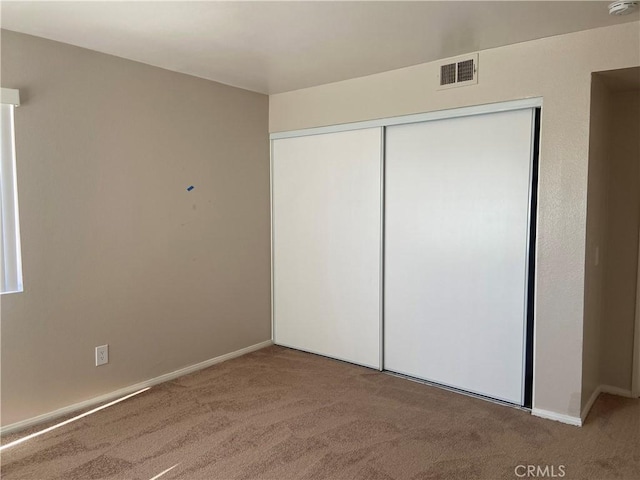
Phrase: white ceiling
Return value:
(272, 47)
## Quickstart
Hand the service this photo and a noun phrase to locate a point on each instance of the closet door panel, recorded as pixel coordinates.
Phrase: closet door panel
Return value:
(456, 251)
(327, 244)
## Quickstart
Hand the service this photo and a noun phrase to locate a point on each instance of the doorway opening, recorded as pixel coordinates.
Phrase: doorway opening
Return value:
(611, 352)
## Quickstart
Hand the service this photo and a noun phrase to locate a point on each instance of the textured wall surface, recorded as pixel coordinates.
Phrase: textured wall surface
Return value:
(115, 249)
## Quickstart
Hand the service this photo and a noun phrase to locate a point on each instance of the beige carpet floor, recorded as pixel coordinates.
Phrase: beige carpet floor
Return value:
(283, 414)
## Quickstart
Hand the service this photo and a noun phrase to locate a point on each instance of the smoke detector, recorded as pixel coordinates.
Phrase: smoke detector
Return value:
(622, 7)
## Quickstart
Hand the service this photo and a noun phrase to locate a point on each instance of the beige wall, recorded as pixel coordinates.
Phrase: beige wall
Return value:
(596, 236)
(622, 240)
(115, 250)
(557, 69)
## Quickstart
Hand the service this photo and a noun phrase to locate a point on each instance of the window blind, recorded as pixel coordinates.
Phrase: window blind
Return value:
(10, 252)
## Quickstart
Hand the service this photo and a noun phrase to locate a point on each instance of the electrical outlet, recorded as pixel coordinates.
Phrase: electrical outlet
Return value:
(102, 355)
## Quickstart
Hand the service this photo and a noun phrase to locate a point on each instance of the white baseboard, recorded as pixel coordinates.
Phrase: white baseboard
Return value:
(558, 417)
(14, 427)
(592, 399)
(621, 392)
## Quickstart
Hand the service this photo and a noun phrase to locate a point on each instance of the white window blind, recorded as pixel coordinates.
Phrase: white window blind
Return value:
(10, 253)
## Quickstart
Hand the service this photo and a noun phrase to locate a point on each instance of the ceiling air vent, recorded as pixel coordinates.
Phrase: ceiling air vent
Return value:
(459, 71)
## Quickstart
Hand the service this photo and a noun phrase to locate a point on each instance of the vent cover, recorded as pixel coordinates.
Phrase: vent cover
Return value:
(465, 71)
(461, 71)
(448, 74)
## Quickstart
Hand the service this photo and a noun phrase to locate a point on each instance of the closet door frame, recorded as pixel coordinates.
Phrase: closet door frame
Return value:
(535, 103)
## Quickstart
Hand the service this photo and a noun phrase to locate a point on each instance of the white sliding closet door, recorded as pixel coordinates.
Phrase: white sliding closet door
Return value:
(327, 239)
(456, 251)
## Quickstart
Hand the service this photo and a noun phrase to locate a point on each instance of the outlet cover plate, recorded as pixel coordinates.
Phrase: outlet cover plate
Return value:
(102, 355)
